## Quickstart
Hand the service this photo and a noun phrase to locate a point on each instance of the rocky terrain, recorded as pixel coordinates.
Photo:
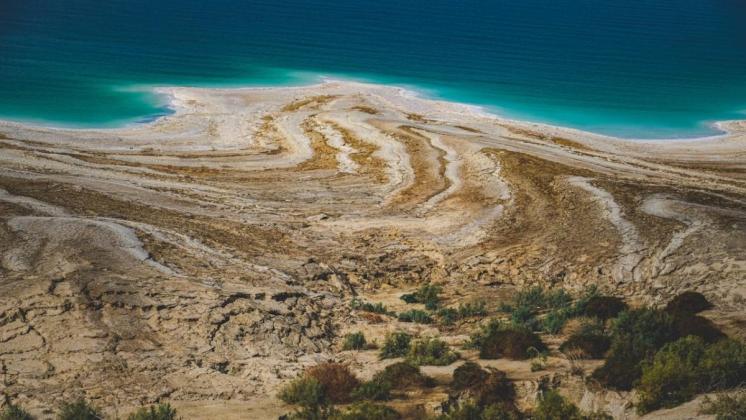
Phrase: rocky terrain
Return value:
(209, 256)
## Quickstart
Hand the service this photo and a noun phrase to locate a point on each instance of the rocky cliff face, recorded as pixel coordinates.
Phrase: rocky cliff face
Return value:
(212, 254)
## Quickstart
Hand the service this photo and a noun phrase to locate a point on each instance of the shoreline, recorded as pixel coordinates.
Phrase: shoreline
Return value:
(408, 91)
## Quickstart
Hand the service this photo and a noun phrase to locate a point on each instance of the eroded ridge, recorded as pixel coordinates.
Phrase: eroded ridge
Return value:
(211, 254)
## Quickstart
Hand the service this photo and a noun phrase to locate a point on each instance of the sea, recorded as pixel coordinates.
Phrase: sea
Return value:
(632, 68)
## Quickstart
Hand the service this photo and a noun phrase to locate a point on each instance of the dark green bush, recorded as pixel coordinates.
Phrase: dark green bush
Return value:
(687, 367)
(636, 336)
(304, 391)
(501, 411)
(376, 308)
(688, 303)
(448, 316)
(553, 406)
(154, 412)
(672, 377)
(587, 345)
(726, 406)
(14, 412)
(472, 309)
(467, 410)
(373, 391)
(403, 375)
(427, 295)
(79, 410)
(603, 307)
(367, 411)
(477, 338)
(416, 316)
(510, 342)
(467, 376)
(395, 345)
(524, 316)
(354, 341)
(553, 322)
(431, 351)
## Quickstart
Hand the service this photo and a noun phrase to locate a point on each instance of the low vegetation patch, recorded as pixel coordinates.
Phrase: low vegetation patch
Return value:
(431, 351)
(14, 412)
(553, 406)
(429, 295)
(374, 390)
(726, 406)
(376, 308)
(589, 342)
(304, 391)
(354, 341)
(395, 345)
(416, 316)
(79, 410)
(367, 411)
(403, 375)
(496, 341)
(482, 386)
(154, 412)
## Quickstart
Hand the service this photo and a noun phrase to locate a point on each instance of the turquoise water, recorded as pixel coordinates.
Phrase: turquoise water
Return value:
(636, 68)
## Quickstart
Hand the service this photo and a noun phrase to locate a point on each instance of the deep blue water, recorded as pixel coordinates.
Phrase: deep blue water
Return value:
(644, 68)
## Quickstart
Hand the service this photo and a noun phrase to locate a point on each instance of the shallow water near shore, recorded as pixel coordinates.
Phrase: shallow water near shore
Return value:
(641, 68)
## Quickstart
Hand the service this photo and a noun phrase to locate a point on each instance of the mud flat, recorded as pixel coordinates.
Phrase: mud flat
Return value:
(209, 256)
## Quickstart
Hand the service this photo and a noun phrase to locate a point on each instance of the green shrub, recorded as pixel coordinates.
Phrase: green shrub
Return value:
(367, 411)
(467, 376)
(523, 316)
(510, 342)
(553, 406)
(416, 316)
(501, 411)
(636, 336)
(354, 341)
(377, 308)
(336, 381)
(403, 375)
(603, 307)
(304, 391)
(14, 412)
(427, 295)
(315, 412)
(672, 377)
(396, 344)
(477, 338)
(431, 351)
(689, 303)
(154, 412)
(464, 411)
(373, 391)
(724, 364)
(536, 298)
(472, 309)
(726, 406)
(79, 410)
(687, 367)
(553, 322)
(448, 316)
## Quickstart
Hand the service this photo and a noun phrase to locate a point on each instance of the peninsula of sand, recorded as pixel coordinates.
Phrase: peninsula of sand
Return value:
(209, 256)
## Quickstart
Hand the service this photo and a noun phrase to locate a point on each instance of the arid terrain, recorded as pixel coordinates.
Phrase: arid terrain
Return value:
(207, 257)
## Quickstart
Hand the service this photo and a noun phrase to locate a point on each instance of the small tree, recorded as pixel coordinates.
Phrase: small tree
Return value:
(395, 345)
